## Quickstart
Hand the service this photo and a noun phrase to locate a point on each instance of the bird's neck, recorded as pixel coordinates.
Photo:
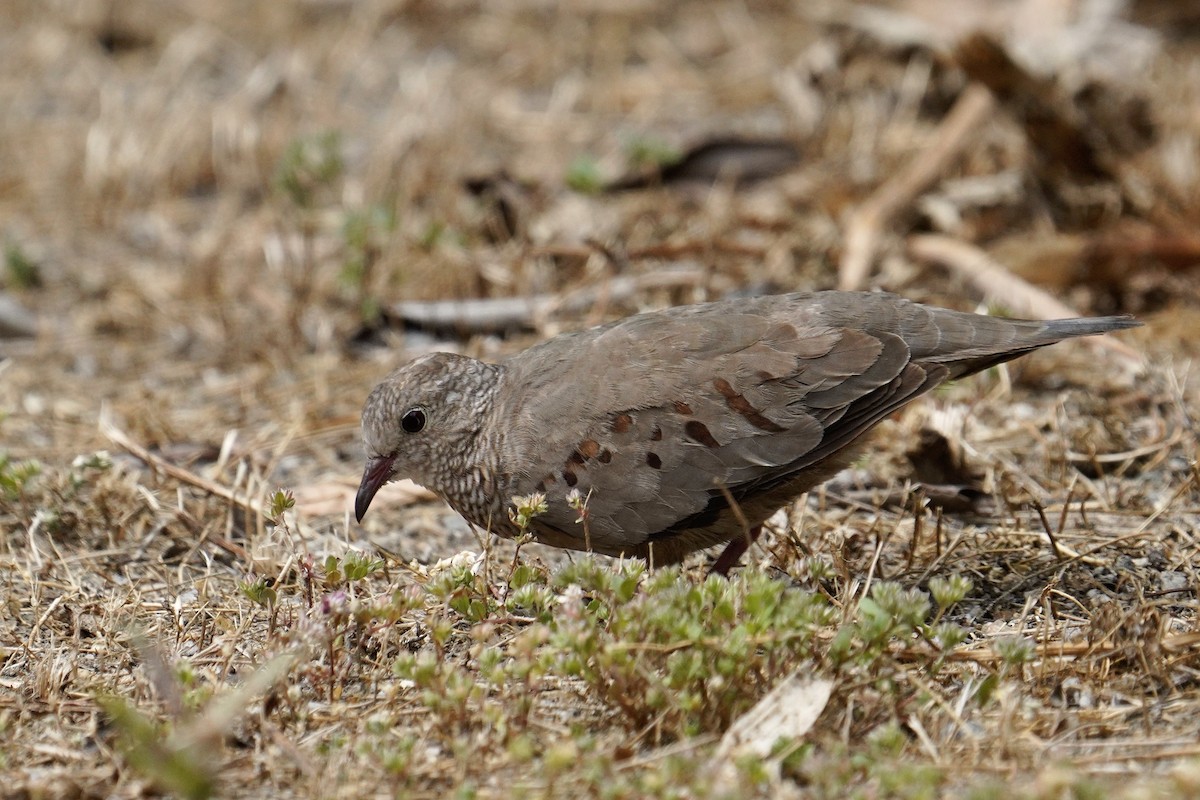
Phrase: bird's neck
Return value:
(473, 476)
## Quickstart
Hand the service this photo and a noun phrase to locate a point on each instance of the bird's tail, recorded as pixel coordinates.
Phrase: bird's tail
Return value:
(1056, 330)
(1025, 336)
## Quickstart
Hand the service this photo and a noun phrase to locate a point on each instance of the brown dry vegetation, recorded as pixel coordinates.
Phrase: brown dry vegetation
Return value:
(209, 205)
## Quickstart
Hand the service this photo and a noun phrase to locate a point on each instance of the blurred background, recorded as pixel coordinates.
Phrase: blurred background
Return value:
(236, 216)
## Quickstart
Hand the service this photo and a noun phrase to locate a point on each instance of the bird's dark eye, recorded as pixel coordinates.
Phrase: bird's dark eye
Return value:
(413, 420)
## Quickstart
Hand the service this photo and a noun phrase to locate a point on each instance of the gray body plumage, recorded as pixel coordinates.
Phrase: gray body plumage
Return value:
(662, 419)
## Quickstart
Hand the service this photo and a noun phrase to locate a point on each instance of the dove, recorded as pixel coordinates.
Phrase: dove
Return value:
(681, 429)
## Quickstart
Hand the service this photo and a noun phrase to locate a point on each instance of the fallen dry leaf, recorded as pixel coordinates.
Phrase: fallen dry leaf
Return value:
(786, 712)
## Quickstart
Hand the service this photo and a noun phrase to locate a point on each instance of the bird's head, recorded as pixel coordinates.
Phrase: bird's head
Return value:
(421, 422)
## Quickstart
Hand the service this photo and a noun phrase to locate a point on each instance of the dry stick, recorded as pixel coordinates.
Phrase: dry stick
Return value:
(122, 440)
(490, 314)
(918, 525)
(1023, 298)
(1066, 506)
(988, 275)
(869, 220)
(1041, 512)
(660, 251)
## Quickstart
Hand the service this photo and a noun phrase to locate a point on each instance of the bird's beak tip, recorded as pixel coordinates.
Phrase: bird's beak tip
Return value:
(377, 473)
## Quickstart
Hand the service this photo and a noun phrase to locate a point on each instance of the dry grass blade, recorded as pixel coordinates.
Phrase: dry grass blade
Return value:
(186, 762)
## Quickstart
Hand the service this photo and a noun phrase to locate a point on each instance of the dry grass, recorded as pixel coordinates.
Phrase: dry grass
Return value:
(214, 296)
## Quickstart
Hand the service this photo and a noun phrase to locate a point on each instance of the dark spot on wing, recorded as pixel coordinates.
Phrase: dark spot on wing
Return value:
(621, 423)
(605, 456)
(738, 402)
(683, 408)
(653, 460)
(569, 478)
(589, 448)
(698, 431)
(656, 434)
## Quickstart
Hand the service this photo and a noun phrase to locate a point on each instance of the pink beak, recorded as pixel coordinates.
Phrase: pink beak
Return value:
(377, 473)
